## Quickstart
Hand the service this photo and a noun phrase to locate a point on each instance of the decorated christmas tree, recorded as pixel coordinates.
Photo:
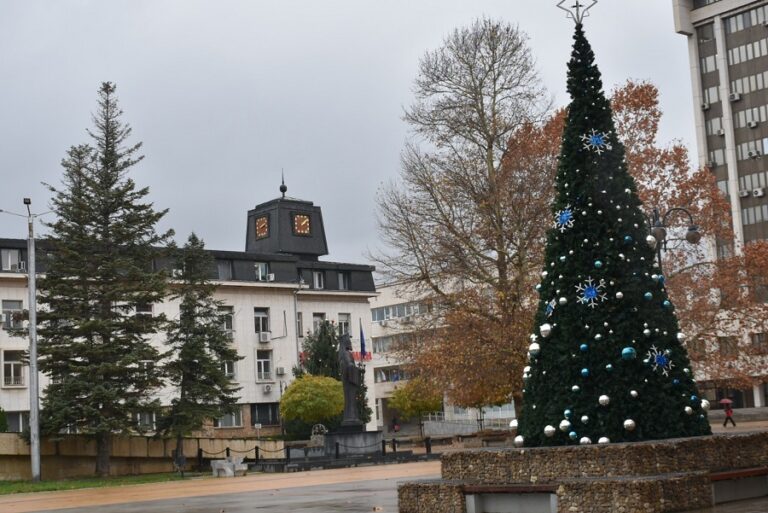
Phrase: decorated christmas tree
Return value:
(607, 360)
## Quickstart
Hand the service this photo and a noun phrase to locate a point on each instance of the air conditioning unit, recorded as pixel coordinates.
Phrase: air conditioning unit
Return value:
(744, 194)
(721, 132)
(383, 324)
(280, 371)
(712, 164)
(705, 106)
(752, 124)
(753, 154)
(271, 277)
(265, 336)
(267, 389)
(758, 192)
(734, 97)
(20, 267)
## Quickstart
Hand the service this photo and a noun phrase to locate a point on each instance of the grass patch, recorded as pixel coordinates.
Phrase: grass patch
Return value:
(8, 487)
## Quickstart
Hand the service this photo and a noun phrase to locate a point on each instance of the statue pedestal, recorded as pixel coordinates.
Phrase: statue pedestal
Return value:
(352, 441)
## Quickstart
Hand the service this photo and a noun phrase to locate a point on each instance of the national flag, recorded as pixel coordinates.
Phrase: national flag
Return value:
(362, 342)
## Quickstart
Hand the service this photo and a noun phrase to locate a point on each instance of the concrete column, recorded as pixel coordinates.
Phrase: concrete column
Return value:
(757, 393)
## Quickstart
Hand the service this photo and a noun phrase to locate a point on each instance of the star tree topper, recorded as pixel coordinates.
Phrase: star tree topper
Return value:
(578, 11)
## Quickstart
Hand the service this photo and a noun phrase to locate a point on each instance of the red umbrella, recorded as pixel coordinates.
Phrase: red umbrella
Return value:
(725, 401)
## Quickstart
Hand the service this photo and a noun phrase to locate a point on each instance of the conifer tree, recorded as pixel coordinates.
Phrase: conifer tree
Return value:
(607, 363)
(103, 243)
(199, 349)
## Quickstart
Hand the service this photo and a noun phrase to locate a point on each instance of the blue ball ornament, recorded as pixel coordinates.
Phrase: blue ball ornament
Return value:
(627, 239)
(694, 399)
(573, 435)
(648, 296)
(598, 264)
(583, 348)
(567, 414)
(675, 381)
(628, 353)
(609, 367)
(585, 373)
(538, 287)
(667, 303)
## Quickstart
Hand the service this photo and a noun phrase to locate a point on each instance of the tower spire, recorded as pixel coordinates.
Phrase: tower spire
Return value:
(283, 187)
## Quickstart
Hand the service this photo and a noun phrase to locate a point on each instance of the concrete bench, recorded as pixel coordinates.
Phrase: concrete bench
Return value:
(229, 467)
(511, 498)
(735, 485)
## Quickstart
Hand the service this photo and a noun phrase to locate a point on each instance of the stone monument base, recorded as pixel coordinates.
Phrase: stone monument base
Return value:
(353, 442)
(644, 477)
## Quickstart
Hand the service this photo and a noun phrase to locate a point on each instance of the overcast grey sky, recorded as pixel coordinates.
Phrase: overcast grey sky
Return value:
(225, 93)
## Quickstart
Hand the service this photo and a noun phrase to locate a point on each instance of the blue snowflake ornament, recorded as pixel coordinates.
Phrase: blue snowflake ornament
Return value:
(591, 293)
(564, 219)
(596, 141)
(659, 360)
(551, 308)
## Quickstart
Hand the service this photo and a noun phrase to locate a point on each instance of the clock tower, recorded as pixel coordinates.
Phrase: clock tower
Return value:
(286, 226)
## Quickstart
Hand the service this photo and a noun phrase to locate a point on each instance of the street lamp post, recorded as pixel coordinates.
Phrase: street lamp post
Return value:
(658, 224)
(34, 388)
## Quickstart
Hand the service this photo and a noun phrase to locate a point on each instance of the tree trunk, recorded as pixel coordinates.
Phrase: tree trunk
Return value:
(103, 452)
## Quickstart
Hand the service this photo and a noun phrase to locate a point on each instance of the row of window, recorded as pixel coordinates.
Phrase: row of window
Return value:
(753, 181)
(713, 125)
(744, 20)
(751, 149)
(742, 118)
(754, 215)
(716, 157)
(750, 83)
(266, 414)
(747, 52)
(400, 311)
(389, 374)
(12, 314)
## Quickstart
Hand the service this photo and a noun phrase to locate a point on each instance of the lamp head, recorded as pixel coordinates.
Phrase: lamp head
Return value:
(694, 235)
(27, 201)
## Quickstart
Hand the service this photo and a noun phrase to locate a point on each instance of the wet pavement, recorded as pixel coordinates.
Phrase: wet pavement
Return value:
(367, 496)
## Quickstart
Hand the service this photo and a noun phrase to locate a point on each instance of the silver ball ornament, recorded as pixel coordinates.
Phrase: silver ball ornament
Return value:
(519, 441)
(604, 400)
(688, 410)
(604, 440)
(619, 295)
(534, 349)
(513, 424)
(651, 240)
(545, 329)
(585, 440)
(681, 337)
(705, 405)
(634, 394)
(564, 426)
(584, 419)
(629, 425)
(550, 431)
(562, 301)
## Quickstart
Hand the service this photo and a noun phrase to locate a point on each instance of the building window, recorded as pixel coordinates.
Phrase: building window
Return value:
(261, 319)
(263, 365)
(227, 314)
(143, 310)
(230, 420)
(13, 368)
(262, 270)
(345, 320)
(266, 414)
(318, 279)
(145, 421)
(729, 346)
(300, 324)
(344, 279)
(760, 342)
(317, 320)
(18, 421)
(387, 374)
(12, 314)
(224, 269)
(11, 260)
(228, 368)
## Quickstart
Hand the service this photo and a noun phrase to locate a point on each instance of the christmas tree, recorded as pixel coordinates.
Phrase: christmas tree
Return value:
(607, 361)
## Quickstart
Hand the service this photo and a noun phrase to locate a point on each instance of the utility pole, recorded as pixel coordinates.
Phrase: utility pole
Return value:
(34, 401)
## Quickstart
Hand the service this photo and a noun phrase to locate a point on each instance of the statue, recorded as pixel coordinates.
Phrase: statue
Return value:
(350, 379)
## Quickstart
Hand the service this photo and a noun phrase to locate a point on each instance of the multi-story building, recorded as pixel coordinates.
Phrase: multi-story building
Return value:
(396, 314)
(274, 292)
(728, 53)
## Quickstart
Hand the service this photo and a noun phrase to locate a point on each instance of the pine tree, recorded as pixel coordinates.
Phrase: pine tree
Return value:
(607, 361)
(102, 247)
(199, 349)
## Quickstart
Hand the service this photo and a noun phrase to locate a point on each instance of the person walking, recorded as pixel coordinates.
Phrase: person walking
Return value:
(728, 415)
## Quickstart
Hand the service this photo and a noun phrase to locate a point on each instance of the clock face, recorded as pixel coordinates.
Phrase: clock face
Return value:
(301, 224)
(262, 227)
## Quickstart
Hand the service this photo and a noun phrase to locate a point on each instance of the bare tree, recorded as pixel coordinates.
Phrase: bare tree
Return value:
(463, 225)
